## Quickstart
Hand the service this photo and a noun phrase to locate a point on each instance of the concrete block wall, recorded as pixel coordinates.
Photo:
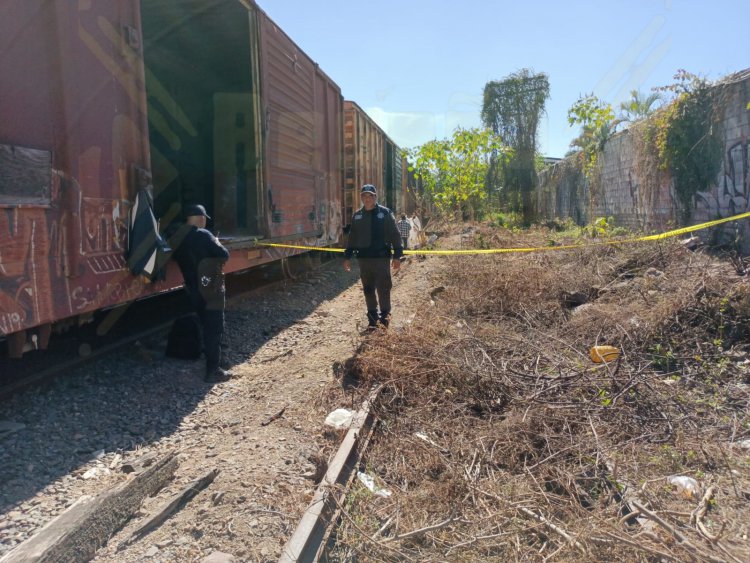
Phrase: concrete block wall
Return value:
(563, 192)
(731, 193)
(649, 204)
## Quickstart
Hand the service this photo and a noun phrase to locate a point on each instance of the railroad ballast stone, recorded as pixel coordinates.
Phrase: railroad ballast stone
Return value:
(131, 406)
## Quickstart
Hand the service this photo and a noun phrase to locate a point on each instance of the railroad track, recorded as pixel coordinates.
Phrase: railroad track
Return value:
(68, 537)
(313, 533)
(134, 322)
(316, 524)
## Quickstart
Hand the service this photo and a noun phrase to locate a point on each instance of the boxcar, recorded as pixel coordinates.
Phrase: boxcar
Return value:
(195, 101)
(370, 157)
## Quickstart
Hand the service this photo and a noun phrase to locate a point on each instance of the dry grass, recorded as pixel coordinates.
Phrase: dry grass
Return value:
(501, 440)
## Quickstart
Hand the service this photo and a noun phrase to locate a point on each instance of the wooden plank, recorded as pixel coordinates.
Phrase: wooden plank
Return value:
(171, 506)
(139, 465)
(76, 534)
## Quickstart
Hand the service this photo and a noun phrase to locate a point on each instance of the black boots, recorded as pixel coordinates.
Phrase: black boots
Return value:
(217, 375)
(373, 319)
(385, 318)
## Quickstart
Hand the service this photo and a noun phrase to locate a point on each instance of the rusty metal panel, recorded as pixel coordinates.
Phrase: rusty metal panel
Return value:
(364, 157)
(288, 86)
(328, 150)
(73, 94)
(370, 157)
(71, 87)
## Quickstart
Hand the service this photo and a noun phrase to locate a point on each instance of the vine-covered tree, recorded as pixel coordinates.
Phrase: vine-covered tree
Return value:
(686, 135)
(452, 171)
(512, 108)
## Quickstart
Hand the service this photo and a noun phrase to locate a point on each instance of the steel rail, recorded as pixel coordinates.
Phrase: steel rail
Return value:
(309, 539)
(59, 369)
(47, 374)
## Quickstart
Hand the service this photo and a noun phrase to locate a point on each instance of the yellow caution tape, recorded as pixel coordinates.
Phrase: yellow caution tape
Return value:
(660, 236)
(323, 248)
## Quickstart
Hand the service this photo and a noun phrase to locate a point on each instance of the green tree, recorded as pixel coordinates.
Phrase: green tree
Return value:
(453, 171)
(639, 106)
(598, 123)
(512, 108)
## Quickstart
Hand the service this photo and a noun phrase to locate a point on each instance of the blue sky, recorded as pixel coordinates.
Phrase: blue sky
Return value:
(418, 67)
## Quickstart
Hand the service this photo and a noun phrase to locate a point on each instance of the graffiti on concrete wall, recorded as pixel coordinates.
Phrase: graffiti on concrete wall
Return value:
(732, 192)
(645, 196)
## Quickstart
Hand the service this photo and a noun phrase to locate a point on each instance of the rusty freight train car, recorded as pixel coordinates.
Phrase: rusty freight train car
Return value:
(194, 101)
(370, 157)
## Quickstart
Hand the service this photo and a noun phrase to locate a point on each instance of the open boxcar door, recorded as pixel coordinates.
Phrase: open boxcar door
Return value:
(203, 109)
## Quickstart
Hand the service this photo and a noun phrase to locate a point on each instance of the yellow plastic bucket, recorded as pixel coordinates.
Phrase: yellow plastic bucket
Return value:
(602, 354)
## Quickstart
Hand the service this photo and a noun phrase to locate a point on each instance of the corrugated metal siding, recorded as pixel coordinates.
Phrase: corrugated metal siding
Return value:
(393, 177)
(364, 156)
(370, 157)
(328, 152)
(288, 84)
(398, 182)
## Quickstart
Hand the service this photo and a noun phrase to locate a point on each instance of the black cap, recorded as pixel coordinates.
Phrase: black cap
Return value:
(196, 210)
(369, 189)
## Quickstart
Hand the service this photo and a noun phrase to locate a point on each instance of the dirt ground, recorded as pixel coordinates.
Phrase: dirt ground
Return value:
(497, 435)
(286, 343)
(500, 436)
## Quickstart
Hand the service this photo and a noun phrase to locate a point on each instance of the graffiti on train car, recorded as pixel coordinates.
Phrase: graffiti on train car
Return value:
(10, 322)
(124, 117)
(35, 258)
(125, 289)
(105, 234)
(25, 284)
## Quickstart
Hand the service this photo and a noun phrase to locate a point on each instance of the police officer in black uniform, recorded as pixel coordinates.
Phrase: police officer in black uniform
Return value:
(375, 239)
(201, 258)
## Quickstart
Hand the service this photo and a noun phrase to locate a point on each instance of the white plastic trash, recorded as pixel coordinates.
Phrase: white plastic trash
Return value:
(340, 419)
(369, 482)
(686, 485)
(95, 473)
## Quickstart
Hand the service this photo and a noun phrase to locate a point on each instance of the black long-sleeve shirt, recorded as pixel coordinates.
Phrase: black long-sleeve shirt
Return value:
(201, 258)
(374, 234)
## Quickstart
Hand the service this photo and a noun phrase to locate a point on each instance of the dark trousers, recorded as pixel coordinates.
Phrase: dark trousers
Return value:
(211, 314)
(213, 329)
(375, 274)
(405, 242)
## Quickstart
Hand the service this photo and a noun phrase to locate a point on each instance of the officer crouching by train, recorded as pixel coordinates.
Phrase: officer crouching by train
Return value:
(375, 239)
(201, 258)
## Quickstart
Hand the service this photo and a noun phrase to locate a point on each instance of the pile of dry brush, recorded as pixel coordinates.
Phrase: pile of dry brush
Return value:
(500, 439)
